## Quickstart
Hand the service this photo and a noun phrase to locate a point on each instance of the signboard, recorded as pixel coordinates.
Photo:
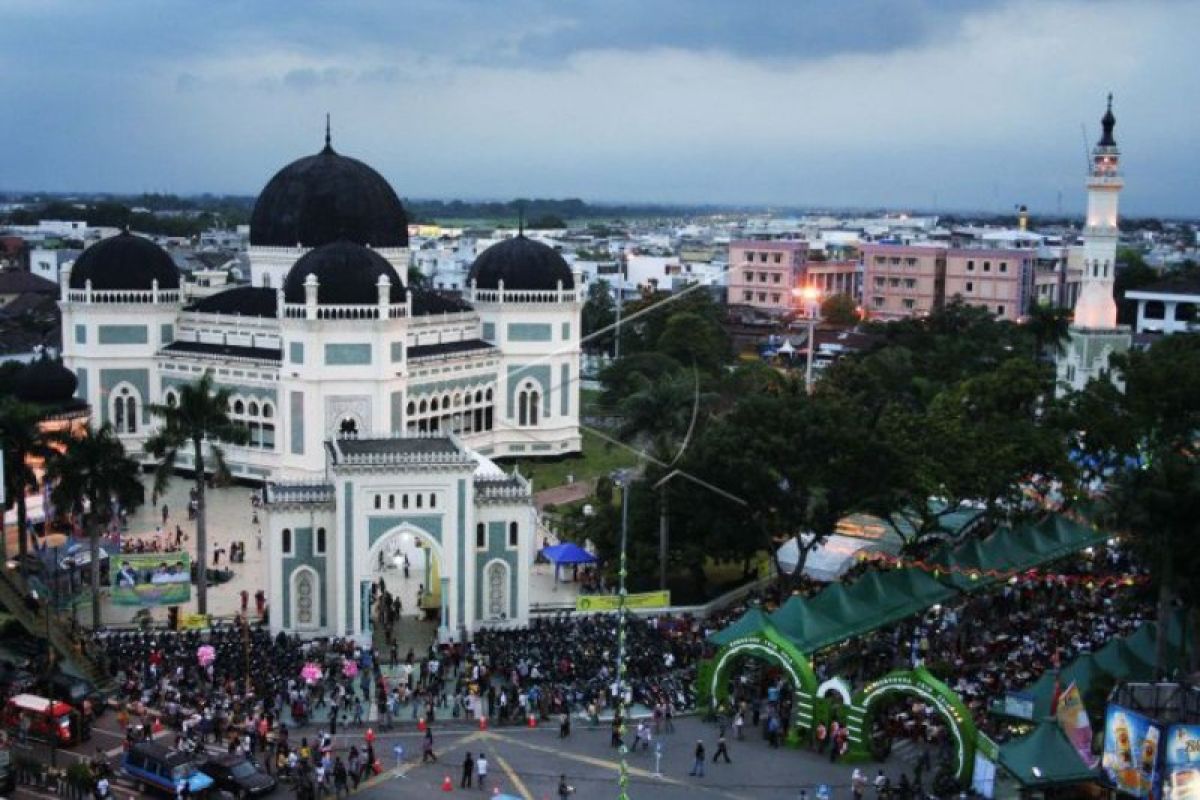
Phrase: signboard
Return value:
(193, 622)
(611, 602)
(1131, 746)
(151, 579)
(1073, 719)
(1182, 778)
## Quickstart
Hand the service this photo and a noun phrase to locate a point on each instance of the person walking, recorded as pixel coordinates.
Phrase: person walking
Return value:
(481, 768)
(739, 722)
(427, 753)
(858, 783)
(468, 772)
(341, 779)
(722, 750)
(698, 766)
(564, 789)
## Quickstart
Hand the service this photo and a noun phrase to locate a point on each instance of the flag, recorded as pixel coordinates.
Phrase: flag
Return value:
(1073, 718)
(1057, 662)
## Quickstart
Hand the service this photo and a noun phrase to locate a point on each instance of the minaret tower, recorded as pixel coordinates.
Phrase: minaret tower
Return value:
(1094, 334)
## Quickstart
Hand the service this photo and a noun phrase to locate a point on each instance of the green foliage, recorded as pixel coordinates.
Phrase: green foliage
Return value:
(22, 438)
(599, 314)
(546, 222)
(840, 309)
(694, 338)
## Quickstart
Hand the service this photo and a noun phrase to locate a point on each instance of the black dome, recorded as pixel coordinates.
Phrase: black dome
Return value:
(45, 382)
(124, 261)
(522, 264)
(347, 274)
(326, 197)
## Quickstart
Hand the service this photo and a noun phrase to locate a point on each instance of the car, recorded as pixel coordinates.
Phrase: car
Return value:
(154, 766)
(238, 775)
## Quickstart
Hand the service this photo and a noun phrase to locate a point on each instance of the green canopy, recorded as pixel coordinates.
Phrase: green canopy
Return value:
(1045, 757)
(841, 612)
(1121, 661)
(753, 621)
(1082, 672)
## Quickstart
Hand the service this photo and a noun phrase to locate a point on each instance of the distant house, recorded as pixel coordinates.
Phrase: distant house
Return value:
(1168, 306)
(14, 283)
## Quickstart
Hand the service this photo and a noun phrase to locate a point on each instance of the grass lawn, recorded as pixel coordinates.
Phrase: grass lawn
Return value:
(598, 458)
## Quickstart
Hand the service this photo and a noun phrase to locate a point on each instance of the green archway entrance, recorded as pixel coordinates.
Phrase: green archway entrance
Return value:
(765, 644)
(918, 682)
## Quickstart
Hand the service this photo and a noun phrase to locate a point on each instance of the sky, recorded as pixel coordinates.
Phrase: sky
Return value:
(904, 104)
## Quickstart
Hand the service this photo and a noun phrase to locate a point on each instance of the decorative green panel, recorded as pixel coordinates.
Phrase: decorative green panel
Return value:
(489, 332)
(566, 331)
(166, 333)
(539, 374)
(349, 557)
(303, 555)
(123, 334)
(437, 387)
(564, 388)
(377, 527)
(529, 332)
(81, 334)
(138, 378)
(397, 412)
(397, 352)
(81, 390)
(497, 548)
(347, 354)
(297, 414)
(296, 352)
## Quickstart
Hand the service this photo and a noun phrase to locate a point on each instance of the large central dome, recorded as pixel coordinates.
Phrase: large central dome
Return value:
(324, 198)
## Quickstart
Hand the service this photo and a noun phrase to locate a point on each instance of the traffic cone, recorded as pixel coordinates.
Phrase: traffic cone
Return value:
(447, 786)
(532, 721)
(421, 724)
(483, 723)
(370, 736)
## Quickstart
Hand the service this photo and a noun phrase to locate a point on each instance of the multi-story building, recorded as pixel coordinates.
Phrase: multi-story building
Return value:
(999, 280)
(833, 277)
(762, 274)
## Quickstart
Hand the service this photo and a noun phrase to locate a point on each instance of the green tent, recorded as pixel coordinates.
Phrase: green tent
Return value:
(799, 622)
(1121, 661)
(753, 621)
(1044, 758)
(1082, 672)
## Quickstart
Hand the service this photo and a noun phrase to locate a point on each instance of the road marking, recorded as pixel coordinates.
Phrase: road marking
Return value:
(518, 786)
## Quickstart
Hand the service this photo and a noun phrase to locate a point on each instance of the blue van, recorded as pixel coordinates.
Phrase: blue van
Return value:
(154, 766)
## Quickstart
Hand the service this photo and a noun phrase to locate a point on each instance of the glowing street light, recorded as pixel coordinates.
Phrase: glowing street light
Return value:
(811, 296)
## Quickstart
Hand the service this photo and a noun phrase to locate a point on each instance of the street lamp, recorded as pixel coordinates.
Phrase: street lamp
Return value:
(811, 296)
(622, 478)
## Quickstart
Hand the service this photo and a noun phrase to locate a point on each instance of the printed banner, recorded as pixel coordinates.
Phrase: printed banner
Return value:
(1182, 781)
(189, 622)
(151, 579)
(1131, 745)
(610, 602)
(1073, 719)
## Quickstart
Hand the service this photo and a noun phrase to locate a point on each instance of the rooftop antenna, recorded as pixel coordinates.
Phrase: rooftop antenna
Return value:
(1087, 159)
(328, 138)
(520, 219)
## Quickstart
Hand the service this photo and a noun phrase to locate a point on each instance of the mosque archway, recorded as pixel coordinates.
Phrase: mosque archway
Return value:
(405, 600)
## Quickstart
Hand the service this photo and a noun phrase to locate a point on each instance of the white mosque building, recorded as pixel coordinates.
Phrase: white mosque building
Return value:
(372, 406)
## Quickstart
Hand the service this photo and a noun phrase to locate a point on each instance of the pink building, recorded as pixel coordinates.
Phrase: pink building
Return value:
(910, 280)
(762, 274)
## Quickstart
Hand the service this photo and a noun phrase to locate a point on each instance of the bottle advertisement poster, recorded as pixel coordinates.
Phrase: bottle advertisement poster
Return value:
(1131, 746)
(1182, 781)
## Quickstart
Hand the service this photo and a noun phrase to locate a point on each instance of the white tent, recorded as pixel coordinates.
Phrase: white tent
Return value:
(826, 562)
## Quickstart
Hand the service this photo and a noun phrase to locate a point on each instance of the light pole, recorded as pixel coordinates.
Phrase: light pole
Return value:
(622, 479)
(811, 296)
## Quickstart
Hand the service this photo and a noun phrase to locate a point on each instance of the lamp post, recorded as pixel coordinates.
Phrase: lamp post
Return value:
(622, 479)
(811, 296)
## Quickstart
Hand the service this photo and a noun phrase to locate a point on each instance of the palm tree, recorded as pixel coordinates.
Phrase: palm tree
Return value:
(1050, 326)
(199, 419)
(93, 476)
(21, 438)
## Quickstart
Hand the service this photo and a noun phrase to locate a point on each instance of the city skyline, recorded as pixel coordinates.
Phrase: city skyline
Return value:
(869, 104)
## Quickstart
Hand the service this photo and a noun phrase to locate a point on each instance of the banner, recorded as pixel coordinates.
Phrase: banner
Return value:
(1073, 719)
(151, 579)
(1182, 781)
(1131, 745)
(189, 622)
(611, 602)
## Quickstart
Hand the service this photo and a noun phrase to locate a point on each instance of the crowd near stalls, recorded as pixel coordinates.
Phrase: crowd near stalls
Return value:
(988, 644)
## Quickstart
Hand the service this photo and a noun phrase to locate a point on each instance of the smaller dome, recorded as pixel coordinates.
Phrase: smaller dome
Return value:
(45, 382)
(347, 274)
(1107, 123)
(521, 263)
(124, 261)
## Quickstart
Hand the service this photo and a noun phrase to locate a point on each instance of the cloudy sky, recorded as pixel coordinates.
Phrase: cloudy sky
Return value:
(900, 103)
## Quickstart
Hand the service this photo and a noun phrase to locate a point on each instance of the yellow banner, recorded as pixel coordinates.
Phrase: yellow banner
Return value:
(610, 602)
(189, 622)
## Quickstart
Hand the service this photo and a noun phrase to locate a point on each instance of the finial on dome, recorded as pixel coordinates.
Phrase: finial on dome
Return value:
(328, 137)
(520, 219)
(1107, 123)
(1110, 101)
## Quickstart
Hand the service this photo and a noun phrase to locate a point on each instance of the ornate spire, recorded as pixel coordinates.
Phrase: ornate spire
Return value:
(1107, 123)
(328, 137)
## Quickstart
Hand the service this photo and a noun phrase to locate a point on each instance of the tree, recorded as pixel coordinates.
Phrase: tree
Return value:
(1049, 326)
(23, 439)
(599, 313)
(199, 420)
(93, 476)
(840, 309)
(692, 338)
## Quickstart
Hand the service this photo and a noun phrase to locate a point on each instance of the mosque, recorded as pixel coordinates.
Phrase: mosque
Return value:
(372, 406)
